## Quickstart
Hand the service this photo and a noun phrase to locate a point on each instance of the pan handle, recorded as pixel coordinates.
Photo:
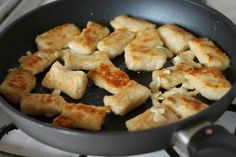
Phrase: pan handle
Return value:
(212, 140)
(205, 140)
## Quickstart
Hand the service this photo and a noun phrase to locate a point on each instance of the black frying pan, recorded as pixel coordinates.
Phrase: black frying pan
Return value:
(114, 139)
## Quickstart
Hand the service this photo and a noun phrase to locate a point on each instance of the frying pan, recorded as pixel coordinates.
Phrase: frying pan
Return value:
(114, 139)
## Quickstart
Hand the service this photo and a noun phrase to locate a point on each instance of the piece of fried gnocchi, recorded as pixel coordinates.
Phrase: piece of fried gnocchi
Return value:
(58, 37)
(187, 57)
(73, 83)
(156, 116)
(174, 37)
(39, 104)
(17, 83)
(74, 61)
(38, 61)
(131, 23)
(129, 97)
(115, 43)
(109, 77)
(82, 116)
(87, 41)
(183, 105)
(145, 38)
(209, 54)
(145, 59)
(210, 82)
(169, 77)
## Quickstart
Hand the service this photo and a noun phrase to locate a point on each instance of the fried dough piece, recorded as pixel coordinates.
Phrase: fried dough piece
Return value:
(130, 97)
(174, 37)
(81, 116)
(144, 39)
(168, 52)
(209, 54)
(17, 83)
(109, 77)
(169, 77)
(158, 115)
(145, 59)
(75, 61)
(183, 105)
(42, 104)
(115, 43)
(130, 23)
(87, 41)
(142, 53)
(186, 57)
(210, 82)
(38, 61)
(58, 37)
(73, 83)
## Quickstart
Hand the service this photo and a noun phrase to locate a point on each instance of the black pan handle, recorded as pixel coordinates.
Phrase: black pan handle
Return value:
(212, 141)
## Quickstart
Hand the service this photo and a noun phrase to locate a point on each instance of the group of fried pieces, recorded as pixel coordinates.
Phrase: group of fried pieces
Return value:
(197, 66)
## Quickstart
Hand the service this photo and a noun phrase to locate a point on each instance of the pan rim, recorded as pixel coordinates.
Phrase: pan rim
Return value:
(4, 104)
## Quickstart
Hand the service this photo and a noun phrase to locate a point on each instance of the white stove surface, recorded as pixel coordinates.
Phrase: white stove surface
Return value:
(17, 142)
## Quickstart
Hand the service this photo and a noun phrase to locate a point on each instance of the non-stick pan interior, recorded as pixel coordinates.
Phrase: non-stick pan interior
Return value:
(20, 38)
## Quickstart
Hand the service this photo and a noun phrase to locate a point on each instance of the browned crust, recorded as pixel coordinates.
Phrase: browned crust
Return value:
(81, 116)
(215, 73)
(17, 80)
(113, 76)
(45, 98)
(194, 104)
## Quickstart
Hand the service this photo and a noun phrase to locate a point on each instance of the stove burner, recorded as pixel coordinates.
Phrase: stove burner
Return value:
(7, 128)
(4, 154)
(171, 152)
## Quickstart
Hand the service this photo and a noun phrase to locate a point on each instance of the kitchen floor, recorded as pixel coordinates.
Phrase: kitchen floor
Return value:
(30, 147)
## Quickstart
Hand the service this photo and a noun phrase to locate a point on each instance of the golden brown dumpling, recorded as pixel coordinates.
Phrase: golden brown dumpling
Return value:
(82, 116)
(17, 83)
(58, 37)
